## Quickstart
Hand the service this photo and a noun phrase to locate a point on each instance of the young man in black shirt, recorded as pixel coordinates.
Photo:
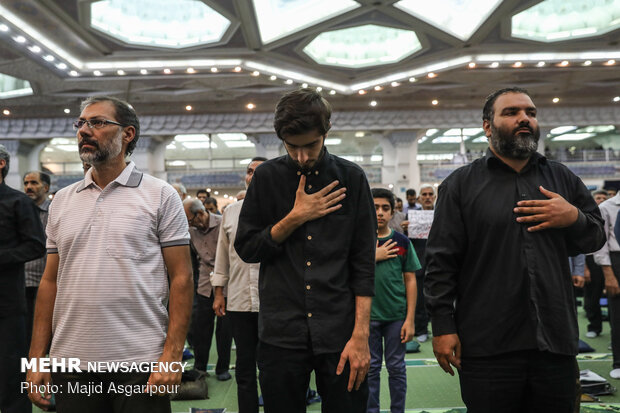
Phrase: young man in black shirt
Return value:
(497, 285)
(308, 218)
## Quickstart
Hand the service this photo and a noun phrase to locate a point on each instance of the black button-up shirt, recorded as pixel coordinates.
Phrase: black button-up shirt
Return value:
(308, 284)
(21, 240)
(498, 286)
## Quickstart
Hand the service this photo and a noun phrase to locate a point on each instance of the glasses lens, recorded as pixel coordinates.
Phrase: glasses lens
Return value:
(98, 123)
(78, 124)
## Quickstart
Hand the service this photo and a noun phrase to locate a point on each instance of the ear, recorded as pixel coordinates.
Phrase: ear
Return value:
(129, 133)
(486, 125)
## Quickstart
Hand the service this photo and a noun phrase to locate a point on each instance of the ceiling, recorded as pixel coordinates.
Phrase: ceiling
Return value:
(221, 55)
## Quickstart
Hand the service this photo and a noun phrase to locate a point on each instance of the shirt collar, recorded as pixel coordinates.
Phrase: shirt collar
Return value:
(44, 205)
(320, 165)
(129, 177)
(492, 161)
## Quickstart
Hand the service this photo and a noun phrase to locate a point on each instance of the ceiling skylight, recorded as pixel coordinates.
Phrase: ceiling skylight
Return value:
(459, 18)
(573, 137)
(363, 46)
(159, 23)
(557, 20)
(279, 18)
(12, 87)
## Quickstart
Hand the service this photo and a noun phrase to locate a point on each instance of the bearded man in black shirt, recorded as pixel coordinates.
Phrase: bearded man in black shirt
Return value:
(308, 217)
(498, 285)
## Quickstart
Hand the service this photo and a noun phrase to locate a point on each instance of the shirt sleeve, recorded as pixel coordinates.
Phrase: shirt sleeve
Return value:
(364, 243)
(601, 257)
(578, 265)
(445, 250)
(253, 241)
(221, 272)
(30, 242)
(411, 262)
(172, 226)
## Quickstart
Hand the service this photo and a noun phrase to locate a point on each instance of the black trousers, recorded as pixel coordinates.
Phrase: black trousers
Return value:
(421, 315)
(110, 395)
(284, 376)
(244, 326)
(31, 298)
(12, 349)
(202, 326)
(614, 312)
(529, 381)
(592, 293)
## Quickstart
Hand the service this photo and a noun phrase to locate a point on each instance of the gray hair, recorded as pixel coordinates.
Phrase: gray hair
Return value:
(180, 187)
(427, 186)
(195, 206)
(4, 154)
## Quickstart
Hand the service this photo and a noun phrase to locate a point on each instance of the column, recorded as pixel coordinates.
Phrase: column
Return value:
(267, 144)
(400, 163)
(149, 155)
(542, 141)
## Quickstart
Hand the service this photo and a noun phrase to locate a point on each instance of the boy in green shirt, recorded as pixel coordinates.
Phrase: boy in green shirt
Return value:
(393, 307)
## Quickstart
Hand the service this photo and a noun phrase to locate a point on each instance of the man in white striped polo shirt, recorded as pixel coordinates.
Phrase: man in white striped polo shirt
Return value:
(117, 286)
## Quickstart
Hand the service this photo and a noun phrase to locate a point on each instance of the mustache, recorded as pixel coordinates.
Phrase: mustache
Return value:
(528, 127)
(86, 141)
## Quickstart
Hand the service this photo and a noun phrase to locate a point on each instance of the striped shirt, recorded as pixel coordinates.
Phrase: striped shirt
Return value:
(34, 269)
(230, 270)
(112, 285)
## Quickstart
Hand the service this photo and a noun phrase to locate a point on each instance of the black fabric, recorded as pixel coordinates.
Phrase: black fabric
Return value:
(592, 293)
(519, 382)
(244, 326)
(202, 325)
(285, 375)
(31, 298)
(421, 314)
(512, 288)
(12, 349)
(108, 400)
(614, 311)
(308, 284)
(21, 240)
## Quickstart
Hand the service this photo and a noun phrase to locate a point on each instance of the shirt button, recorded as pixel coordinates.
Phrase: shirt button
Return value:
(100, 199)
(308, 263)
(309, 237)
(309, 186)
(523, 196)
(309, 314)
(316, 172)
(298, 173)
(308, 287)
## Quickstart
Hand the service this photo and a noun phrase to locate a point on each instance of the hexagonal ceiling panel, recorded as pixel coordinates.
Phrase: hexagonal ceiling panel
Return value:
(363, 46)
(279, 18)
(460, 18)
(558, 20)
(12, 87)
(159, 23)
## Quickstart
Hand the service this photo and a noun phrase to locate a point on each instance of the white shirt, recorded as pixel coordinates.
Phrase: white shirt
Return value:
(609, 211)
(230, 270)
(112, 285)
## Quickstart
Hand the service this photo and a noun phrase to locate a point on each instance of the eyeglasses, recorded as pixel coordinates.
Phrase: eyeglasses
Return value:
(94, 123)
(191, 220)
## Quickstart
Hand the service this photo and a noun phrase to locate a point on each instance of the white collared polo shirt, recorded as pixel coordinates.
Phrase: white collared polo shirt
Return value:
(112, 284)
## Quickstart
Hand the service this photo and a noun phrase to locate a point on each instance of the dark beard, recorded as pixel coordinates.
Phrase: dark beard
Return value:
(514, 145)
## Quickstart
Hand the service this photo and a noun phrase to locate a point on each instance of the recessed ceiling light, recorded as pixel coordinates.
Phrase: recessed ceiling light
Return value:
(412, 79)
(319, 88)
(471, 65)
(361, 92)
(120, 72)
(67, 111)
(6, 112)
(214, 70)
(255, 73)
(434, 102)
(48, 58)
(616, 99)
(432, 75)
(19, 39)
(332, 92)
(304, 85)
(395, 84)
(237, 69)
(564, 63)
(555, 100)
(610, 62)
(216, 193)
(289, 82)
(378, 88)
(4, 28)
(540, 64)
(188, 108)
(225, 195)
(359, 134)
(250, 106)
(587, 63)
(191, 70)
(167, 71)
(518, 64)
(494, 65)
(34, 49)
(273, 77)
(373, 103)
(73, 73)
(61, 66)
(391, 186)
(97, 73)
(144, 72)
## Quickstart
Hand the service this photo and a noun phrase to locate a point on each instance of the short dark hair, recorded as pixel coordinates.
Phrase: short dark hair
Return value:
(384, 193)
(410, 192)
(488, 111)
(302, 111)
(6, 156)
(210, 200)
(600, 192)
(45, 178)
(399, 200)
(202, 191)
(125, 115)
(258, 159)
